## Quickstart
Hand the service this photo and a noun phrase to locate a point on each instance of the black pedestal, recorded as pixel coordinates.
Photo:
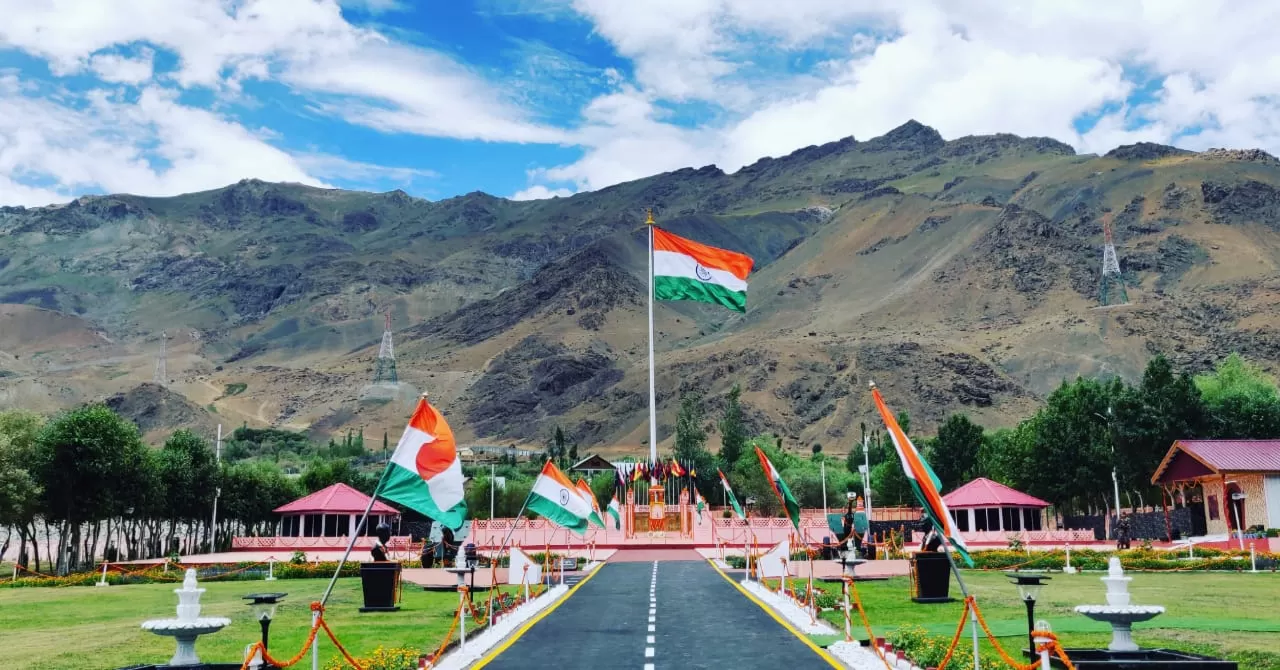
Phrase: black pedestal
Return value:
(380, 581)
(933, 577)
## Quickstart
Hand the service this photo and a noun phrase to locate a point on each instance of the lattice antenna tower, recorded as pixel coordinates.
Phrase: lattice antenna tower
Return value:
(161, 375)
(385, 371)
(1112, 290)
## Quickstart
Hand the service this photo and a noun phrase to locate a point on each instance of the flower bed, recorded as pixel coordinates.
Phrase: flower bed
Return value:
(155, 574)
(1133, 560)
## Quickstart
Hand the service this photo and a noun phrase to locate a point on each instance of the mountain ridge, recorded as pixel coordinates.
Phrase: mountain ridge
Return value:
(962, 273)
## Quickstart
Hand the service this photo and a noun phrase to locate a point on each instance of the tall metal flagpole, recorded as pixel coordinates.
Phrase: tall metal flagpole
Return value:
(213, 523)
(973, 614)
(653, 407)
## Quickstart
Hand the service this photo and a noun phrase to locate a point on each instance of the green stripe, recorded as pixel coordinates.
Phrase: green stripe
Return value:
(408, 489)
(733, 500)
(682, 288)
(789, 502)
(553, 512)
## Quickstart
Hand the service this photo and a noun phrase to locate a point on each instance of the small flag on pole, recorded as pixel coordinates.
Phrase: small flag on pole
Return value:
(615, 511)
(556, 498)
(733, 500)
(585, 489)
(789, 502)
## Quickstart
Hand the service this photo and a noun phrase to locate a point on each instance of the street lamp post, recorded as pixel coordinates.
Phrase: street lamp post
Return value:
(1029, 585)
(264, 609)
(1111, 435)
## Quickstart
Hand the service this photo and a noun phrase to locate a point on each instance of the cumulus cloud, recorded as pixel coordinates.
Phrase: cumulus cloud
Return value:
(540, 192)
(965, 67)
(115, 68)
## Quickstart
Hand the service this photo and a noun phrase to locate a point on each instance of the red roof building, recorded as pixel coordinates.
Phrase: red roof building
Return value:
(331, 512)
(983, 505)
(1238, 481)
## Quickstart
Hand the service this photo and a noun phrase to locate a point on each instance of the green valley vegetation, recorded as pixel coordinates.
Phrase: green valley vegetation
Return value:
(86, 476)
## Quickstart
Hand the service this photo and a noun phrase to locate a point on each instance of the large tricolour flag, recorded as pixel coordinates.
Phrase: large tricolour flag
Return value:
(687, 270)
(558, 500)
(615, 511)
(425, 473)
(924, 482)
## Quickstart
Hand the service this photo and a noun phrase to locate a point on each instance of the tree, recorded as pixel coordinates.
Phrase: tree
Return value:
(1242, 400)
(733, 433)
(19, 490)
(321, 474)
(856, 459)
(556, 450)
(189, 476)
(1072, 446)
(953, 454)
(1165, 407)
(691, 437)
(89, 463)
(816, 448)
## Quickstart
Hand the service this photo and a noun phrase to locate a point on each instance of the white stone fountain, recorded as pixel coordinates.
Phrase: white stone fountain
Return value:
(189, 625)
(1118, 612)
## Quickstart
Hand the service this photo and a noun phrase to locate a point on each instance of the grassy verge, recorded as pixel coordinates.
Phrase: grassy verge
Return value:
(1231, 615)
(98, 628)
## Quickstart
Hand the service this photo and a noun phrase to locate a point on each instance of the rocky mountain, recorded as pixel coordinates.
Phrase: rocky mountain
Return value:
(959, 275)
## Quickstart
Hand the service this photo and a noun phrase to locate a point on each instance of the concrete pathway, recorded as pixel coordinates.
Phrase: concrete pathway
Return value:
(651, 615)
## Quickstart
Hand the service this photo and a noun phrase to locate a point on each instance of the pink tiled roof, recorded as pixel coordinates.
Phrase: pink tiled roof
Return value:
(983, 492)
(1227, 455)
(336, 499)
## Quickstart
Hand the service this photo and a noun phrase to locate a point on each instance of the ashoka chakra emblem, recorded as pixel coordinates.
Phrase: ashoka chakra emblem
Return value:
(703, 273)
(564, 496)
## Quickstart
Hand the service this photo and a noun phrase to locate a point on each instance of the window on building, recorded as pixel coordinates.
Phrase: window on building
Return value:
(313, 525)
(1031, 519)
(993, 518)
(1213, 508)
(980, 519)
(1012, 520)
(961, 517)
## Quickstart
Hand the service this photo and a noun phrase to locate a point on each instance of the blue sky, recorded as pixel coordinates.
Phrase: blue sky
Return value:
(533, 98)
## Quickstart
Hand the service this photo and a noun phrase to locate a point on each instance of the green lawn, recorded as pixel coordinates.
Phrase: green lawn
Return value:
(91, 628)
(1212, 613)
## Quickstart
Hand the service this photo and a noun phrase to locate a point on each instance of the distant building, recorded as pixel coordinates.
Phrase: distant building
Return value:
(592, 465)
(1237, 482)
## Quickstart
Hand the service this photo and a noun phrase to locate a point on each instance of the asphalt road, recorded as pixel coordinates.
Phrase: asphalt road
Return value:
(700, 621)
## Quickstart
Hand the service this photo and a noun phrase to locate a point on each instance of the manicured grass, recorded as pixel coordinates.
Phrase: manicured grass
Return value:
(89, 628)
(1212, 613)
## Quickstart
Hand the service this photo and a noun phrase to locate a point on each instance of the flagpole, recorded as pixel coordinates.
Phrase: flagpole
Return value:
(355, 533)
(973, 615)
(653, 409)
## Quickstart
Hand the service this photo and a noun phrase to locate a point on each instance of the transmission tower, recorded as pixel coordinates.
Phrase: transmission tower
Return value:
(161, 375)
(1112, 281)
(385, 372)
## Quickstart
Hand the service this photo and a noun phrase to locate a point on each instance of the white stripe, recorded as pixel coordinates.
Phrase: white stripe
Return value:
(673, 264)
(551, 489)
(406, 454)
(446, 487)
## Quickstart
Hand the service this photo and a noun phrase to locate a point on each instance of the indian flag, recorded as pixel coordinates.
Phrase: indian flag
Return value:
(779, 487)
(615, 511)
(425, 473)
(558, 500)
(924, 483)
(687, 270)
(700, 503)
(585, 489)
(733, 500)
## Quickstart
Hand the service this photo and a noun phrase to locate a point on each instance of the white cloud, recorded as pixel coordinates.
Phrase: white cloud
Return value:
(374, 6)
(154, 146)
(540, 192)
(119, 69)
(339, 168)
(307, 44)
(964, 67)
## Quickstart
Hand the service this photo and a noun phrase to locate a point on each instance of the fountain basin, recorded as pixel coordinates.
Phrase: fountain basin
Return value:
(1145, 659)
(185, 634)
(1121, 620)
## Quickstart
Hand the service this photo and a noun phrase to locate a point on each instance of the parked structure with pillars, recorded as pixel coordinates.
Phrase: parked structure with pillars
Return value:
(1234, 484)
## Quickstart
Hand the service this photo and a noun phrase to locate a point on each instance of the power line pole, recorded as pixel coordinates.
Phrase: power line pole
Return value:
(1112, 280)
(217, 491)
(385, 371)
